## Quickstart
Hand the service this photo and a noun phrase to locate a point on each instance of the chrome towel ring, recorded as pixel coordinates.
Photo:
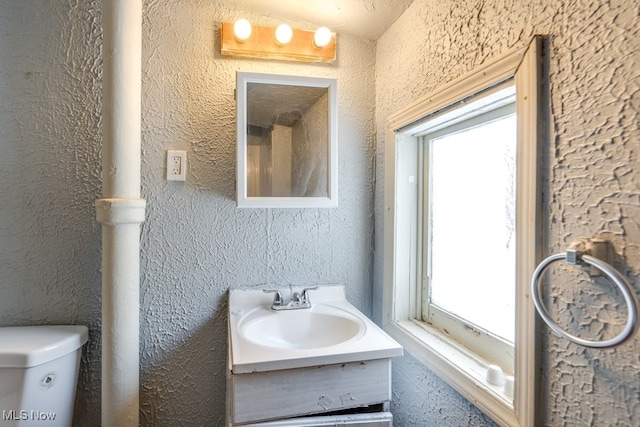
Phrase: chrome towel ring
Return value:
(574, 257)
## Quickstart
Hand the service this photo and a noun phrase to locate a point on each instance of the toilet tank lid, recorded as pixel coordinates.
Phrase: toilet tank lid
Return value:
(28, 346)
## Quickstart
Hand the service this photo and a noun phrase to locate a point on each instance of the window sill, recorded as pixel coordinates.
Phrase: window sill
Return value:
(461, 368)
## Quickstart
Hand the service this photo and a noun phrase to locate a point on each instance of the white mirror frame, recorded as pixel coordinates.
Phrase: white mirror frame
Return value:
(243, 201)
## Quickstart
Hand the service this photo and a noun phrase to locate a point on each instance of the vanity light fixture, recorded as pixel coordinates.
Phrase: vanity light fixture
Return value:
(242, 39)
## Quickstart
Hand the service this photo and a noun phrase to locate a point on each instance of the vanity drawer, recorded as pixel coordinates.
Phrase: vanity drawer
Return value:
(271, 395)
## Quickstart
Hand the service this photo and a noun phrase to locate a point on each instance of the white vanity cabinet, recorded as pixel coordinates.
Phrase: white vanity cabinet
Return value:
(345, 383)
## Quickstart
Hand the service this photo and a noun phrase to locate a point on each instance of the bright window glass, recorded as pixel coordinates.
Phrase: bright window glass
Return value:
(471, 223)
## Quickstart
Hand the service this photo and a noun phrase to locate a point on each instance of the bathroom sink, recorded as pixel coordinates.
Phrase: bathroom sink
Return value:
(332, 331)
(319, 326)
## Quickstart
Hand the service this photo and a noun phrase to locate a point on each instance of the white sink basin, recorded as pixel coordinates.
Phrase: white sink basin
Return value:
(331, 331)
(319, 326)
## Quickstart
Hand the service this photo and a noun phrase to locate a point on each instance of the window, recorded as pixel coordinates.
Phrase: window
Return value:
(468, 198)
(461, 222)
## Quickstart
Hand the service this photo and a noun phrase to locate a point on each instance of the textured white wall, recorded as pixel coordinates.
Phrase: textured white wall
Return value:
(50, 91)
(590, 186)
(196, 243)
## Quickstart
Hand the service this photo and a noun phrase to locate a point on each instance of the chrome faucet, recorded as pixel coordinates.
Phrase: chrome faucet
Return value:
(295, 301)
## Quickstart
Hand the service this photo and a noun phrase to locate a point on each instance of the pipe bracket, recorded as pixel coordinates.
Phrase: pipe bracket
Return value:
(115, 211)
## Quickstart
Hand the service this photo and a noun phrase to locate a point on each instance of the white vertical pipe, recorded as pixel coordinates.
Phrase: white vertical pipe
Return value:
(122, 97)
(121, 211)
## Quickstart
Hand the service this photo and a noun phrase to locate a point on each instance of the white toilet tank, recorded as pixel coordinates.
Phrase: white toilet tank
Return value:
(38, 374)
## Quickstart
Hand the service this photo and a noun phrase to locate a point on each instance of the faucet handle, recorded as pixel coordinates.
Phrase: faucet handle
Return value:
(277, 298)
(295, 298)
(305, 294)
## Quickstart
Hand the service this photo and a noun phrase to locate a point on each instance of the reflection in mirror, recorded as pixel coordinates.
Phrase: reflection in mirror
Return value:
(286, 141)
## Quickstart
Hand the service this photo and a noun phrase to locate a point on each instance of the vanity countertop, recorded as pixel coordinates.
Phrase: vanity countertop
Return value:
(369, 342)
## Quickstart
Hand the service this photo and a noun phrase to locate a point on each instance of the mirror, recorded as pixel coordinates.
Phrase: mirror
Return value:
(287, 141)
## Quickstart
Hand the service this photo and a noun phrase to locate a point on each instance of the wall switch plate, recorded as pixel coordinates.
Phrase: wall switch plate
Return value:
(176, 165)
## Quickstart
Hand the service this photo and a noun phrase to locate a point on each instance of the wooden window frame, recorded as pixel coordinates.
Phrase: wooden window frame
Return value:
(464, 370)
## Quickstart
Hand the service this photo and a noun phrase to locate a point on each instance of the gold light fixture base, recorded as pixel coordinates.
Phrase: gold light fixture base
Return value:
(262, 44)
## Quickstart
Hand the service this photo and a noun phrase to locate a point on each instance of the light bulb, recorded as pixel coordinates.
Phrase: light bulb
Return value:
(242, 29)
(283, 34)
(322, 37)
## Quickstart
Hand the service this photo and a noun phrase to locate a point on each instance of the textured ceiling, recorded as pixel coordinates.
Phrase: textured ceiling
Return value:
(364, 18)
